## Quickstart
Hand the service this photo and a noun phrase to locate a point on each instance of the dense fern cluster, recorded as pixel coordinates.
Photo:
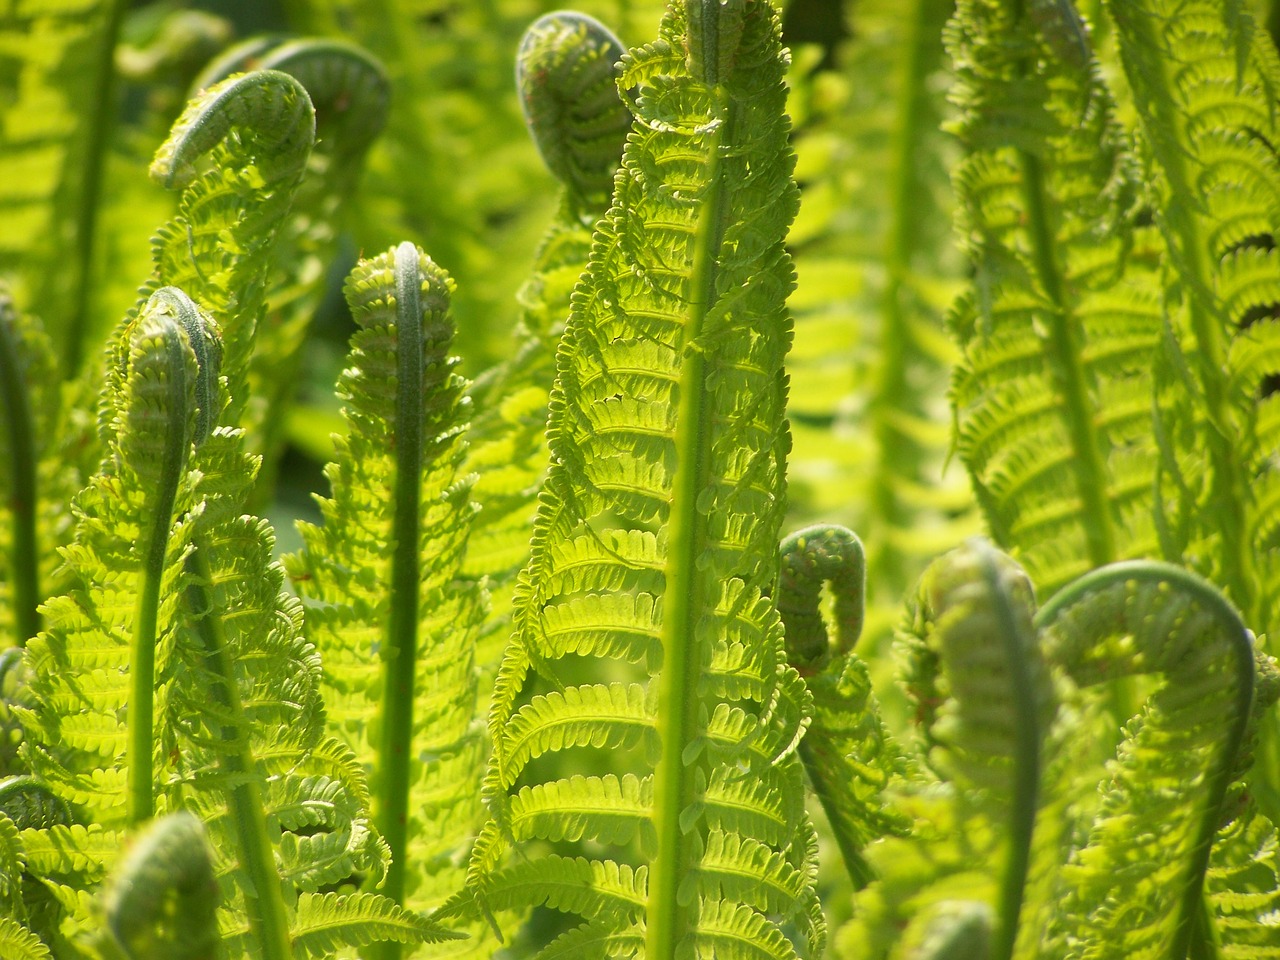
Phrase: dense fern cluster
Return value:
(542, 675)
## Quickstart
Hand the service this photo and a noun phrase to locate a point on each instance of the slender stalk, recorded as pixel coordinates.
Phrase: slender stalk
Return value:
(268, 919)
(101, 120)
(668, 921)
(15, 410)
(899, 452)
(400, 649)
(1026, 766)
(142, 651)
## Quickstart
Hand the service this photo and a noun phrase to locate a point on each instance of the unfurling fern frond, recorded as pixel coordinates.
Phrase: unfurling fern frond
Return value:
(1129, 891)
(1053, 395)
(846, 751)
(566, 72)
(106, 643)
(655, 543)
(160, 902)
(396, 627)
(238, 152)
(351, 94)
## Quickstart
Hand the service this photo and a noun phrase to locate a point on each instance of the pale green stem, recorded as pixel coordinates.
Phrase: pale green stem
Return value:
(400, 652)
(15, 410)
(155, 546)
(102, 115)
(1026, 765)
(264, 903)
(668, 921)
(899, 453)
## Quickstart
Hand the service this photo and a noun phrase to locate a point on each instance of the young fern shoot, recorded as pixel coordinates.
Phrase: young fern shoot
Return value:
(398, 639)
(847, 752)
(566, 73)
(655, 543)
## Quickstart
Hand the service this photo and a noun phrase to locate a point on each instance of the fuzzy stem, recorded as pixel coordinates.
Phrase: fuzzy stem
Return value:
(668, 921)
(264, 902)
(400, 650)
(15, 410)
(142, 652)
(1026, 783)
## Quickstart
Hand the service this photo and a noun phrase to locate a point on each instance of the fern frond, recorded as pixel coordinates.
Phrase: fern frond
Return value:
(1242, 887)
(58, 92)
(397, 627)
(327, 922)
(668, 440)
(351, 93)
(106, 643)
(1204, 82)
(846, 751)
(237, 152)
(18, 943)
(1132, 890)
(565, 73)
(161, 899)
(1056, 323)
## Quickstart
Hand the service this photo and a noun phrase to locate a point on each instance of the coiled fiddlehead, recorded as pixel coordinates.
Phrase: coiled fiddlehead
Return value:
(565, 72)
(237, 152)
(985, 698)
(32, 804)
(160, 902)
(1179, 757)
(846, 751)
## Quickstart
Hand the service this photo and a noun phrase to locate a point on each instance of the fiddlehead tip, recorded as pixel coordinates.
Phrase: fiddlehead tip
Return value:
(824, 553)
(162, 899)
(202, 333)
(565, 73)
(270, 110)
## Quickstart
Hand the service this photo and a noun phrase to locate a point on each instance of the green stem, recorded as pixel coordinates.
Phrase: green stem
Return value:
(668, 921)
(400, 649)
(1026, 783)
(15, 409)
(101, 120)
(1217, 781)
(1064, 352)
(264, 902)
(142, 652)
(900, 454)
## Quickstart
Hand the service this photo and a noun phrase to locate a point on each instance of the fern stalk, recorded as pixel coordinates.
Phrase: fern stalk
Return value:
(1026, 759)
(101, 121)
(669, 920)
(399, 660)
(1068, 374)
(265, 906)
(15, 407)
(142, 653)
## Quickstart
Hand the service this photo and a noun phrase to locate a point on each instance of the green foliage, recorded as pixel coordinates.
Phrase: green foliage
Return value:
(544, 681)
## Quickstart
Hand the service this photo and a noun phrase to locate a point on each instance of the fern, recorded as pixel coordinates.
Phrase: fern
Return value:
(846, 751)
(1203, 80)
(1052, 398)
(351, 95)
(654, 537)
(566, 76)
(397, 628)
(58, 89)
